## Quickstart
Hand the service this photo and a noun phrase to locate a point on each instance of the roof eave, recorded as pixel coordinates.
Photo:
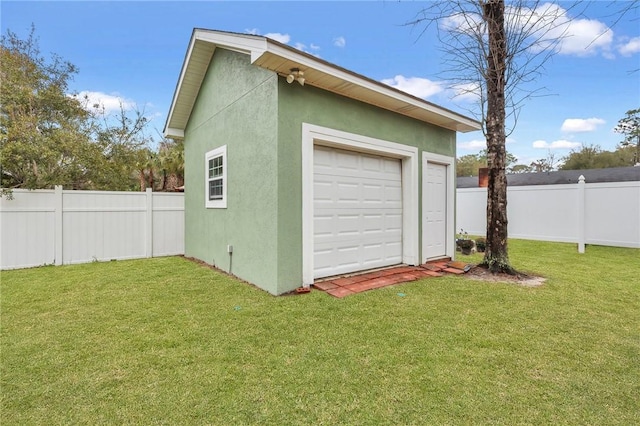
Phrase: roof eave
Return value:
(299, 59)
(170, 132)
(280, 58)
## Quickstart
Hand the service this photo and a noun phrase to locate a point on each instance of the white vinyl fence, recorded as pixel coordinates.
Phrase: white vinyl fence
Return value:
(605, 214)
(42, 227)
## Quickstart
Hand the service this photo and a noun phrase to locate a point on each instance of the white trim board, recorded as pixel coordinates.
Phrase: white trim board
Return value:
(428, 157)
(312, 135)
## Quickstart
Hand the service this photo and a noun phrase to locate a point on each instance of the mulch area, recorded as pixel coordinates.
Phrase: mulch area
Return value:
(483, 274)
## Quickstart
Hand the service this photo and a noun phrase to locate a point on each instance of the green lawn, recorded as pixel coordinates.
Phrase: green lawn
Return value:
(169, 341)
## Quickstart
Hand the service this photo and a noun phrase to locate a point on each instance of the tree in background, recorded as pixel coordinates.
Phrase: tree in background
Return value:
(547, 164)
(171, 163)
(629, 126)
(593, 157)
(495, 52)
(45, 133)
(521, 168)
(49, 137)
(124, 144)
(468, 165)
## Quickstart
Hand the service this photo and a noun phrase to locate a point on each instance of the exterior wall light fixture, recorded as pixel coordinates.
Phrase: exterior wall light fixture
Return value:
(296, 75)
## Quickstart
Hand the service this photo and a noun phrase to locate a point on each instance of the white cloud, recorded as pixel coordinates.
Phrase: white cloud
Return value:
(580, 125)
(586, 37)
(467, 92)
(303, 47)
(580, 37)
(559, 144)
(550, 26)
(339, 41)
(479, 144)
(282, 38)
(463, 23)
(473, 145)
(630, 47)
(110, 102)
(420, 87)
(285, 39)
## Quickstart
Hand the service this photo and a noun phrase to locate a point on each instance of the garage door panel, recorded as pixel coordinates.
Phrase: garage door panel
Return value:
(325, 242)
(332, 260)
(389, 176)
(347, 192)
(349, 196)
(362, 226)
(357, 211)
(346, 160)
(322, 159)
(374, 164)
(392, 168)
(323, 192)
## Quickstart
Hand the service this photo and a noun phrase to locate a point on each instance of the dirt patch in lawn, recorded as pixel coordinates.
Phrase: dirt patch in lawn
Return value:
(482, 274)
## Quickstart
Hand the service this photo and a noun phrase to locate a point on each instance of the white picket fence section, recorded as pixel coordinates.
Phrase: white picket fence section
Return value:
(605, 214)
(42, 227)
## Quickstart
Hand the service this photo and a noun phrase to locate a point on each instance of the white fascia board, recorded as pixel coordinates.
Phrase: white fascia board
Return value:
(381, 88)
(243, 43)
(183, 71)
(170, 132)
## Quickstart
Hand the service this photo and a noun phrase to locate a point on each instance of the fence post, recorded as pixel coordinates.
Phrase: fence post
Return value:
(581, 213)
(57, 220)
(149, 223)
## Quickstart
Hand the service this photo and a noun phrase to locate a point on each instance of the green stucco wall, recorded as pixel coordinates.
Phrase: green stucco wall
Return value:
(297, 105)
(236, 107)
(259, 117)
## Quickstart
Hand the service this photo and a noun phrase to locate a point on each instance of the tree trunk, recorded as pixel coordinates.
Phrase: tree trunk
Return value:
(496, 257)
(151, 178)
(142, 179)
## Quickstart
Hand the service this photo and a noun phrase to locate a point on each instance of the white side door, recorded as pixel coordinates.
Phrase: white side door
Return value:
(435, 211)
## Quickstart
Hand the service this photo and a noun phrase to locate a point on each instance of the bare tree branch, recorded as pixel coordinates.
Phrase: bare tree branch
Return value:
(496, 51)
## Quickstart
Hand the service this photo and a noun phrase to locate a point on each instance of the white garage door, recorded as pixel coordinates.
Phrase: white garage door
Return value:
(357, 211)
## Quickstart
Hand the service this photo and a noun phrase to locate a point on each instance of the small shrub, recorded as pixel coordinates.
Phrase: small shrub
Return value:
(481, 243)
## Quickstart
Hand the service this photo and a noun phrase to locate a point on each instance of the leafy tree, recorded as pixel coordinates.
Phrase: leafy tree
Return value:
(468, 165)
(495, 52)
(146, 164)
(171, 163)
(593, 157)
(629, 126)
(48, 137)
(547, 164)
(45, 133)
(125, 149)
(521, 168)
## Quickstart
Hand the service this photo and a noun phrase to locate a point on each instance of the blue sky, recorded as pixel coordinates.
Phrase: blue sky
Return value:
(134, 51)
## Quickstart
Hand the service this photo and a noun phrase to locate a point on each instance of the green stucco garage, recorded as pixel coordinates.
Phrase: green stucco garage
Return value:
(257, 203)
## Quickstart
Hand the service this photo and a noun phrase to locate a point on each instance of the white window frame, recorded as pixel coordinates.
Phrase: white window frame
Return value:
(216, 153)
